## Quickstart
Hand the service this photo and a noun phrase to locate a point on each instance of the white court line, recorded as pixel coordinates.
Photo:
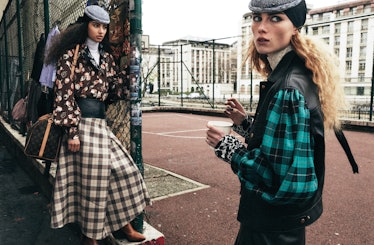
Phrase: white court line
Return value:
(194, 118)
(185, 116)
(167, 134)
(183, 131)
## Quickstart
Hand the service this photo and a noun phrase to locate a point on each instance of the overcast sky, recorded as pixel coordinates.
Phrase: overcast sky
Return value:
(167, 20)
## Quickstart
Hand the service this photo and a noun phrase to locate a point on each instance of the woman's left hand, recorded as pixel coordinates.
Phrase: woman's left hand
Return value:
(235, 111)
(73, 145)
(213, 136)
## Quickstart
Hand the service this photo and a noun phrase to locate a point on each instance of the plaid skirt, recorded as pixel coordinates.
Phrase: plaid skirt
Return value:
(100, 187)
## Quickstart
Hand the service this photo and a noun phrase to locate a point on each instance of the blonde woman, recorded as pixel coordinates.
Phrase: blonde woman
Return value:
(282, 166)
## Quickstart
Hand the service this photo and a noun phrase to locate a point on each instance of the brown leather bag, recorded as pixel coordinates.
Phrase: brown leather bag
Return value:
(19, 111)
(43, 139)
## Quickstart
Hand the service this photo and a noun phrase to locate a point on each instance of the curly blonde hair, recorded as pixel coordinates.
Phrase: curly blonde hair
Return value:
(325, 69)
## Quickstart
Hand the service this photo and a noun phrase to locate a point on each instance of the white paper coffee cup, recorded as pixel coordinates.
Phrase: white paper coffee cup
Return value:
(221, 125)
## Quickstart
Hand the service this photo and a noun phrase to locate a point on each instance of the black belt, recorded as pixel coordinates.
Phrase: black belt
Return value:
(91, 108)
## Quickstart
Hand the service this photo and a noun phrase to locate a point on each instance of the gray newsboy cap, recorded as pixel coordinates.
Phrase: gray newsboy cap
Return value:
(272, 6)
(295, 9)
(97, 13)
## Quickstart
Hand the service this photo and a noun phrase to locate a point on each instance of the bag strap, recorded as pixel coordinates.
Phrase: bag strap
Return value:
(45, 137)
(75, 58)
(344, 143)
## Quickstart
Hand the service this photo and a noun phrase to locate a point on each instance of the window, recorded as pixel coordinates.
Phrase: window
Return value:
(336, 51)
(360, 91)
(361, 66)
(337, 28)
(353, 10)
(315, 17)
(349, 53)
(340, 12)
(347, 91)
(367, 9)
(326, 16)
(242, 88)
(349, 39)
(326, 40)
(364, 37)
(350, 26)
(325, 29)
(361, 77)
(364, 24)
(363, 51)
(315, 30)
(337, 40)
(348, 65)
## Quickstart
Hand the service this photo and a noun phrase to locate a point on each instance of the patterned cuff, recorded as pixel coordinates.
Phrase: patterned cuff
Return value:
(227, 147)
(73, 133)
(244, 127)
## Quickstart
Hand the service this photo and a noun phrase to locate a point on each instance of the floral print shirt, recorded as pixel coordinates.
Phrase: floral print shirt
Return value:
(102, 81)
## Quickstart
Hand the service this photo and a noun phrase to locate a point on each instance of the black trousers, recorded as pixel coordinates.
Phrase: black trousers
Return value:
(250, 237)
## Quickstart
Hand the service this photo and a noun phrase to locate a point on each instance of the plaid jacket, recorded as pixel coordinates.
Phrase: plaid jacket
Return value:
(282, 168)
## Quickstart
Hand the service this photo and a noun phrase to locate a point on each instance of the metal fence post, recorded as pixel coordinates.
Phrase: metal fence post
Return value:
(7, 71)
(159, 74)
(371, 93)
(46, 18)
(20, 49)
(135, 92)
(182, 92)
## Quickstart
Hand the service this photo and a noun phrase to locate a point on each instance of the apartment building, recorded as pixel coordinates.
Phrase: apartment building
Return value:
(187, 65)
(348, 29)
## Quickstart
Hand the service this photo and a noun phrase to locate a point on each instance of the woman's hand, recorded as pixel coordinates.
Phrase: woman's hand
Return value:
(213, 136)
(235, 111)
(74, 145)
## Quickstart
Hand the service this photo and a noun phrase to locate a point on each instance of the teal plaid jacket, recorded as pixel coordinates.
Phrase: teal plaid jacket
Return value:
(281, 170)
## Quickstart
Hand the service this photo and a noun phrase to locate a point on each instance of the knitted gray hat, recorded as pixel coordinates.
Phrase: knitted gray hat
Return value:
(94, 12)
(294, 9)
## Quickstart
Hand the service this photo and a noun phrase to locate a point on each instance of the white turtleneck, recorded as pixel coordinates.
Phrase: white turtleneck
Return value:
(275, 57)
(94, 49)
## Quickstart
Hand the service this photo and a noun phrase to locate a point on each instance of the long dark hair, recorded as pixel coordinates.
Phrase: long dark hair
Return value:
(74, 34)
(67, 39)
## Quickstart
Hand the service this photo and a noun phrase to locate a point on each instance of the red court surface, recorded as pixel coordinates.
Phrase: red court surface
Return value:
(176, 142)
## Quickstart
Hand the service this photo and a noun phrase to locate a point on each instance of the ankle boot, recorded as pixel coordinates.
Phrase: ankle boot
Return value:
(131, 234)
(88, 241)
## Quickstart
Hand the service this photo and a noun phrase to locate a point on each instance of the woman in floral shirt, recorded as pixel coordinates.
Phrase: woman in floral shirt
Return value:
(97, 183)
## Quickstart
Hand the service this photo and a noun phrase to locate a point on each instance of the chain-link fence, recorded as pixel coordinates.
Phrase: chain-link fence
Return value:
(27, 23)
(23, 26)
